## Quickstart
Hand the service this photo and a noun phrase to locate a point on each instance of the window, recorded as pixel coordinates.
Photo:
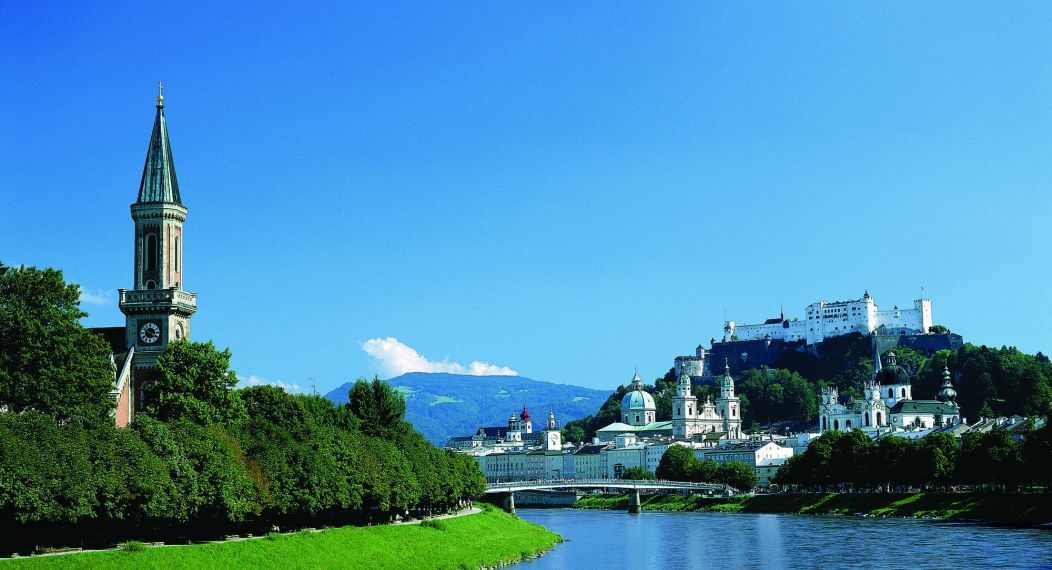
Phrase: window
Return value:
(151, 252)
(177, 253)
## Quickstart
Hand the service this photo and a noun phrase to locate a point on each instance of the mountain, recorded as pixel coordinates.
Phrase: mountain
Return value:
(443, 405)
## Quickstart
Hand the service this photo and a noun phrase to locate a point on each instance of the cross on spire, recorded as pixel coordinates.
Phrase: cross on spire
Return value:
(160, 94)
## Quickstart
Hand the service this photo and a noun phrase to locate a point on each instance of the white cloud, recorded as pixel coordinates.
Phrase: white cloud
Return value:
(98, 297)
(395, 358)
(253, 380)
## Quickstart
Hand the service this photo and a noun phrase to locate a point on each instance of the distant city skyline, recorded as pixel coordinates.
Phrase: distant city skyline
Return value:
(548, 190)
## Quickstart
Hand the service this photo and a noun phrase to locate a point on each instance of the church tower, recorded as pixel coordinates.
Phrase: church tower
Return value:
(728, 405)
(157, 309)
(684, 408)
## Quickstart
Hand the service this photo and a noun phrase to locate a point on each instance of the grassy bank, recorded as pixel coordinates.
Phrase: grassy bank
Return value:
(486, 539)
(1021, 509)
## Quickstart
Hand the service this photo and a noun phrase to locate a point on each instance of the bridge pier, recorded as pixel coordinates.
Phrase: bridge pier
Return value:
(509, 503)
(634, 502)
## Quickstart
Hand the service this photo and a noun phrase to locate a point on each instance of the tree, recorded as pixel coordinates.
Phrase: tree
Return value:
(638, 474)
(573, 433)
(706, 471)
(738, 475)
(48, 361)
(938, 329)
(378, 406)
(675, 464)
(195, 384)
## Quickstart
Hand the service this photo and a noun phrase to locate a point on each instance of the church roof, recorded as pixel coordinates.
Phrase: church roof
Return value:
(625, 428)
(158, 175)
(924, 407)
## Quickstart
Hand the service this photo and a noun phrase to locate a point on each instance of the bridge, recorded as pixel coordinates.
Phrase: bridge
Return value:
(633, 487)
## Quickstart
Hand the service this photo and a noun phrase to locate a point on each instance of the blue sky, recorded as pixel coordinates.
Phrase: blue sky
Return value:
(565, 190)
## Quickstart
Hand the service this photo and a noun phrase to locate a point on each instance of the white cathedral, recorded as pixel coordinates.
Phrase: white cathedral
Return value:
(722, 416)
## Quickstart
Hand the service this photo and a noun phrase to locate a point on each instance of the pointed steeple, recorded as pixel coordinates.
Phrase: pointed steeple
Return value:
(158, 175)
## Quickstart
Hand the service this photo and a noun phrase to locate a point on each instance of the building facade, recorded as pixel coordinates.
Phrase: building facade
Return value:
(831, 319)
(688, 418)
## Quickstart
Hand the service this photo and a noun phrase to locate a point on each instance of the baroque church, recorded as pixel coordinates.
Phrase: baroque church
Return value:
(157, 310)
(724, 415)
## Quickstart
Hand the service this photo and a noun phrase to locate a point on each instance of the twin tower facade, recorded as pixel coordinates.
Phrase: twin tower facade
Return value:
(157, 309)
(688, 418)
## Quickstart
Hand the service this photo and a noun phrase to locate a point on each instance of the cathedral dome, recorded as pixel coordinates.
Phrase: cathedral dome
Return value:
(892, 373)
(638, 399)
(525, 415)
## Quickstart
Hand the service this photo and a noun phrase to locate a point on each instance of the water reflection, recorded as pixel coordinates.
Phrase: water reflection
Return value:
(609, 539)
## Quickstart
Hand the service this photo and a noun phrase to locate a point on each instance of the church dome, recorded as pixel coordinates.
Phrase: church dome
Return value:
(892, 373)
(638, 400)
(525, 415)
(947, 393)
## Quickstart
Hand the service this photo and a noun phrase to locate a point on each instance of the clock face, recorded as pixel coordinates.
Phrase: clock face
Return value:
(150, 333)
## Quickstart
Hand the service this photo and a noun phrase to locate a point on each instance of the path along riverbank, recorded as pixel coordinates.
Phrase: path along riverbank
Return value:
(486, 538)
(1024, 509)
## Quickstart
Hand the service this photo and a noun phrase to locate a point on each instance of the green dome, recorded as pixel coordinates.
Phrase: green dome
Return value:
(638, 401)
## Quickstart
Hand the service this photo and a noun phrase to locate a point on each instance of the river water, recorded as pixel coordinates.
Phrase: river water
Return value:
(598, 540)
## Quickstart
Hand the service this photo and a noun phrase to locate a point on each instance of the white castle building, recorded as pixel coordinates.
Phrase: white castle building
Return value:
(831, 319)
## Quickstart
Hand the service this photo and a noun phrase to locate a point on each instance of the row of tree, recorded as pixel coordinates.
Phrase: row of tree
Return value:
(851, 460)
(202, 455)
(680, 464)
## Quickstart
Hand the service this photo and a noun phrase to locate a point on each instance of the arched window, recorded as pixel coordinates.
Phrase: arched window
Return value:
(151, 252)
(825, 424)
(903, 392)
(836, 424)
(151, 285)
(891, 393)
(880, 419)
(847, 424)
(177, 253)
(867, 419)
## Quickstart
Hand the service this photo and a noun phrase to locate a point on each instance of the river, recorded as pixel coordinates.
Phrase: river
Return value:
(612, 539)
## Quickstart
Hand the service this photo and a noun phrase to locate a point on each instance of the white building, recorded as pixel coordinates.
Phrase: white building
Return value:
(765, 457)
(688, 418)
(831, 319)
(888, 405)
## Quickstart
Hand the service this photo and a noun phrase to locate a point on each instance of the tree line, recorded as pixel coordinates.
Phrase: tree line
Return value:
(680, 464)
(202, 457)
(989, 460)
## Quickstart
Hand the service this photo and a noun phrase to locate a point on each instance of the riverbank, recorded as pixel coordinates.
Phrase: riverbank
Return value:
(1008, 508)
(489, 538)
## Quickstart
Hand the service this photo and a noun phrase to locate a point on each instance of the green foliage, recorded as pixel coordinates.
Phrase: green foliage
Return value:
(195, 384)
(638, 474)
(378, 407)
(49, 362)
(737, 474)
(675, 464)
(133, 546)
(938, 329)
(773, 394)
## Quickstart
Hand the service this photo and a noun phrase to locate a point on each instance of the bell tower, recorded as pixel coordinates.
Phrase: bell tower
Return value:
(157, 309)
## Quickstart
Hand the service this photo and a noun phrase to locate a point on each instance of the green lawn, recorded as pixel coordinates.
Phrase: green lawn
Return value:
(485, 539)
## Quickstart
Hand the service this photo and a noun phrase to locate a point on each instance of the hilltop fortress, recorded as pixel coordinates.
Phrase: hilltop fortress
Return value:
(746, 346)
(831, 319)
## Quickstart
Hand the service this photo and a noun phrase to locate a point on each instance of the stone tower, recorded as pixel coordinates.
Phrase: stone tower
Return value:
(728, 405)
(157, 309)
(684, 408)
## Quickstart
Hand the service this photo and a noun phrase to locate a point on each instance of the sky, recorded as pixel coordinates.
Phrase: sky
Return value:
(559, 190)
